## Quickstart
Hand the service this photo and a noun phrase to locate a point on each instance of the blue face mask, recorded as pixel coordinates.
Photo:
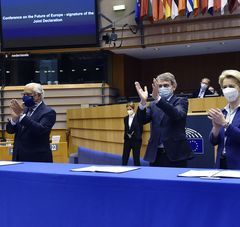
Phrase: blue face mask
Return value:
(28, 101)
(165, 92)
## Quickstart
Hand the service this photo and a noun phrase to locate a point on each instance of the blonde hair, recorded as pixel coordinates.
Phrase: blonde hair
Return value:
(229, 74)
(130, 104)
(168, 77)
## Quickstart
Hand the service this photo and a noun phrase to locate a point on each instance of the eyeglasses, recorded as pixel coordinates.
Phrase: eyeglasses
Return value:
(164, 85)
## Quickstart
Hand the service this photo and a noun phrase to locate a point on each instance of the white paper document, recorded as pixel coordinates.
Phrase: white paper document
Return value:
(105, 169)
(199, 173)
(229, 174)
(6, 163)
(211, 174)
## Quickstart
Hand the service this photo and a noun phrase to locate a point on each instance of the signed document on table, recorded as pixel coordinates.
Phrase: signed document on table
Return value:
(106, 169)
(6, 163)
(211, 173)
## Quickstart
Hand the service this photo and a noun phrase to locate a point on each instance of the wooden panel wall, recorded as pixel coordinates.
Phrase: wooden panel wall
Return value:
(188, 70)
(64, 97)
(119, 77)
(102, 128)
(99, 128)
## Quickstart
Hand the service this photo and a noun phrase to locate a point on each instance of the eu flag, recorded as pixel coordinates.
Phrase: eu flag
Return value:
(196, 145)
(137, 11)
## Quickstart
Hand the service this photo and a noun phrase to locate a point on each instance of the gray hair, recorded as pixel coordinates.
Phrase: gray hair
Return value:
(229, 74)
(36, 88)
(168, 77)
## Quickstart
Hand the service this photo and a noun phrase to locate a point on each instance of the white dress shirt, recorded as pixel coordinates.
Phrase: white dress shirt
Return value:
(130, 120)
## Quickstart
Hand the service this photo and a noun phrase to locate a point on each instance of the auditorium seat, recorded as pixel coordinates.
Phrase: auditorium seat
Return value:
(89, 156)
(73, 158)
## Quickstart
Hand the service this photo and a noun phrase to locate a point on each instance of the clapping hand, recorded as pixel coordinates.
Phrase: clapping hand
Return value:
(16, 109)
(217, 117)
(143, 94)
(155, 88)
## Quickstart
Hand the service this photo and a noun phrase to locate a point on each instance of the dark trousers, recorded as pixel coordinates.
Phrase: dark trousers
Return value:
(162, 160)
(223, 162)
(135, 146)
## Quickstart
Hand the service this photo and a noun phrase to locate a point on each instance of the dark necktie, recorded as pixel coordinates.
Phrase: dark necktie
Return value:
(29, 111)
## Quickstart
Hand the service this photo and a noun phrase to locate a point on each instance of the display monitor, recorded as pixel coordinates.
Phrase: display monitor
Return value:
(30, 24)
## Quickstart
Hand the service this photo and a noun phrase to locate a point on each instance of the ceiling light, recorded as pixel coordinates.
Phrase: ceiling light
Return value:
(119, 7)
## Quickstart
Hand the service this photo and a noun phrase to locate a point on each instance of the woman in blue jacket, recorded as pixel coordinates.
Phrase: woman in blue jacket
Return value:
(226, 123)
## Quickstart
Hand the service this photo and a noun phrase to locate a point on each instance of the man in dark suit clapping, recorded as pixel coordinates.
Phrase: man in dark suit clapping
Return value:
(167, 115)
(132, 136)
(31, 122)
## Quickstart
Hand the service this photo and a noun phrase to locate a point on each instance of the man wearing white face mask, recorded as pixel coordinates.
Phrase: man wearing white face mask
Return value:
(203, 90)
(226, 123)
(132, 136)
(167, 114)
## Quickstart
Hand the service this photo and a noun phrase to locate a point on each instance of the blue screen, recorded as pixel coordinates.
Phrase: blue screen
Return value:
(30, 24)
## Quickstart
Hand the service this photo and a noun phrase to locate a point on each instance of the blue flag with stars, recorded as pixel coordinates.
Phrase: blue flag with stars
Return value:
(137, 11)
(196, 145)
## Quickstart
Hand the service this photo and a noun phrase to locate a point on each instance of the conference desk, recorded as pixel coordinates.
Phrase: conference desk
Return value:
(45, 194)
(59, 151)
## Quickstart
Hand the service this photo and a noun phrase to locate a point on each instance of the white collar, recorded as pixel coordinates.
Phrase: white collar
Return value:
(229, 110)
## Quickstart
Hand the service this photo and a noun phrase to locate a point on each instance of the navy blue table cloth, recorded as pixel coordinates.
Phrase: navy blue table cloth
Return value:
(46, 194)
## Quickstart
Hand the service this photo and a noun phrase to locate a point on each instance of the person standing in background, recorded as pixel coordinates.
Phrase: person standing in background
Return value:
(203, 90)
(226, 123)
(167, 146)
(31, 122)
(132, 136)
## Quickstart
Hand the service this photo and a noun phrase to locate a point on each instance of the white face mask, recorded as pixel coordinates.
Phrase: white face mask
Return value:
(203, 86)
(130, 112)
(230, 93)
(165, 92)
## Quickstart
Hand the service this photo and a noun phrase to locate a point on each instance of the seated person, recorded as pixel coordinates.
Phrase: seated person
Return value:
(203, 90)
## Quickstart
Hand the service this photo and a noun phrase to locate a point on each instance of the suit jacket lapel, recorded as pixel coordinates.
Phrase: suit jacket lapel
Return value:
(126, 122)
(171, 101)
(236, 119)
(35, 114)
(159, 114)
(133, 122)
